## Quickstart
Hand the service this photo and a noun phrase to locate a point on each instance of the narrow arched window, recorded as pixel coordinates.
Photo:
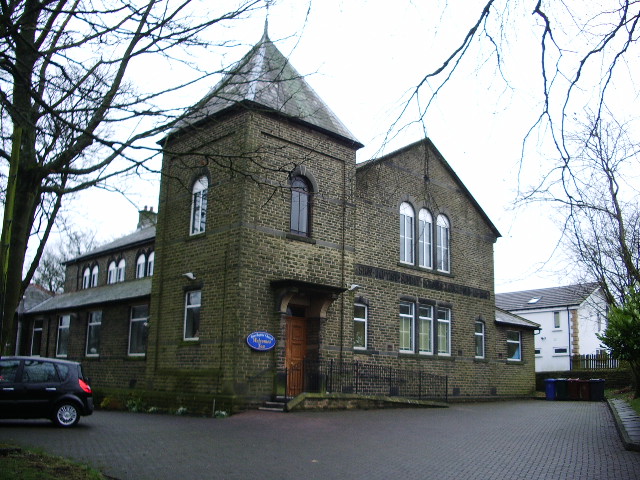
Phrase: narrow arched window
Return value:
(94, 276)
(86, 278)
(443, 247)
(112, 274)
(425, 239)
(479, 338)
(150, 263)
(121, 267)
(407, 217)
(300, 206)
(141, 265)
(199, 205)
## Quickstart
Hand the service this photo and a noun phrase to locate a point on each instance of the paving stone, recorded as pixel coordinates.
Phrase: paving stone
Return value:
(501, 440)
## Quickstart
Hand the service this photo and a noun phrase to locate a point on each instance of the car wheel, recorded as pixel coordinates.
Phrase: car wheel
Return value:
(66, 415)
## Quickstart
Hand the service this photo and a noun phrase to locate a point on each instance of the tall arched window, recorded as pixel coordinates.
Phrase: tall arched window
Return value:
(300, 206)
(141, 266)
(150, 263)
(199, 205)
(443, 247)
(86, 278)
(425, 239)
(121, 267)
(407, 230)
(94, 276)
(112, 274)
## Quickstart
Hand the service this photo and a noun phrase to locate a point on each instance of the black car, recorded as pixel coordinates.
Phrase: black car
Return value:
(37, 387)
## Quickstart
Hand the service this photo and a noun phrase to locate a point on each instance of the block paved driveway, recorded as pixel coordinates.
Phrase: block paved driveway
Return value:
(502, 440)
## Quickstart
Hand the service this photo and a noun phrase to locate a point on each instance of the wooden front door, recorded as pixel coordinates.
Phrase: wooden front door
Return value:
(295, 353)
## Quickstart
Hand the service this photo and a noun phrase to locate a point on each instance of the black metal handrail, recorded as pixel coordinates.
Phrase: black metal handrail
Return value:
(334, 376)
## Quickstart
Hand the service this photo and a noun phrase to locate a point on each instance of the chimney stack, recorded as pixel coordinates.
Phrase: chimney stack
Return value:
(147, 218)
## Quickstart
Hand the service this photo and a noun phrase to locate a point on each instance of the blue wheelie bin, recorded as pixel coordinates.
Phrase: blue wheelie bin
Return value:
(550, 388)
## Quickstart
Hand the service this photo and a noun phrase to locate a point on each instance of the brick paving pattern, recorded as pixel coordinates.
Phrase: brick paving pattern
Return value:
(502, 440)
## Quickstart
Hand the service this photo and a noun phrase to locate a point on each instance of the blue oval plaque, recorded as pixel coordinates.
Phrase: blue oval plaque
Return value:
(261, 341)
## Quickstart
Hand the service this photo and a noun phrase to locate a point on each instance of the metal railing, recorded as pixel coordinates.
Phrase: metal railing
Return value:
(593, 362)
(333, 376)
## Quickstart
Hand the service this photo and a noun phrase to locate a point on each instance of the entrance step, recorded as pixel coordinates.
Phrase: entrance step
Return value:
(274, 406)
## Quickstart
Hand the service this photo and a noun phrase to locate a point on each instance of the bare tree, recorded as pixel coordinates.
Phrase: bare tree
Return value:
(598, 201)
(70, 118)
(586, 56)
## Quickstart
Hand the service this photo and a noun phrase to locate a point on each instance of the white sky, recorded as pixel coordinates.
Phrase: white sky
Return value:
(362, 57)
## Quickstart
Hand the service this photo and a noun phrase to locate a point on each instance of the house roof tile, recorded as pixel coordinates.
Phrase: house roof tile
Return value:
(94, 296)
(546, 297)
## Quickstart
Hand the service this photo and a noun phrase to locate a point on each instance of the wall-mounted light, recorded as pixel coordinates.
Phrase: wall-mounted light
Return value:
(189, 275)
(353, 287)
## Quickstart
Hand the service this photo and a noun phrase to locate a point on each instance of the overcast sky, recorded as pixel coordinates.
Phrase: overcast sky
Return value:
(362, 58)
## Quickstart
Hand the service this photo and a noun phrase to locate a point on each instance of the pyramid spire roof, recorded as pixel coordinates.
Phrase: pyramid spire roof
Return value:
(264, 79)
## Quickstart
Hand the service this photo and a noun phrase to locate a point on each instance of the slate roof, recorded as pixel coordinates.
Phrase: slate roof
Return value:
(505, 318)
(547, 297)
(142, 235)
(265, 79)
(94, 296)
(33, 295)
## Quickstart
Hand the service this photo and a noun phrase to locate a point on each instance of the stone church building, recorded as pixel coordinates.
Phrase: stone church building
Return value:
(275, 261)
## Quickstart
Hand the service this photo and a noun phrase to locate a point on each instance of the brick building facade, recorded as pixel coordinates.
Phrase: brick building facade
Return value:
(267, 224)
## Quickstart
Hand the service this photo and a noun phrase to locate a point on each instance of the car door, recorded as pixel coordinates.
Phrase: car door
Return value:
(10, 387)
(41, 387)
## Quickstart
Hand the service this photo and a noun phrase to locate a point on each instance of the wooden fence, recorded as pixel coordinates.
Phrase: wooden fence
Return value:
(593, 362)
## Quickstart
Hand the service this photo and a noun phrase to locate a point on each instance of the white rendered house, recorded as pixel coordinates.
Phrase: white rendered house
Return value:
(569, 319)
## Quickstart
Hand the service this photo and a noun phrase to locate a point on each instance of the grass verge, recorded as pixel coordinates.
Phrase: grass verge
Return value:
(627, 395)
(22, 464)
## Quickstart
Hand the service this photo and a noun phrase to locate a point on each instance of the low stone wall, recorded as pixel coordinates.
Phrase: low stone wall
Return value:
(618, 378)
(150, 400)
(340, 401)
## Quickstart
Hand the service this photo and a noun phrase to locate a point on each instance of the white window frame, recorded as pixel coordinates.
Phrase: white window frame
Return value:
(301, 204)
(94, 275)
(188, 307)
(38, 324)
(444, 326)
(362, 320)
(425, 329)
(122, 265)
(443, 244)
(425, 239)
(112, 273)
(135, 321)
(141, 266)
(407, 327)
(63, 334)
(86, 278)
(151, 263)
(94, 327)
(556, 320)
(407, 232)
(517, 342)
(479, 338)
(199, 205)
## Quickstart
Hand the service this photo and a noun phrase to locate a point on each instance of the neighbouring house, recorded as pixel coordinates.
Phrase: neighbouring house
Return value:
(570, 317)
(276, 261)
